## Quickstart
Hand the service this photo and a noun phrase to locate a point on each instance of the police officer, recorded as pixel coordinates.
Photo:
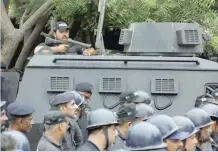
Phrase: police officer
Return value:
(186, 125)
(146, 111)
(102, 130)
(202, 121)
(22, 143)
(204, 99)
(20, 117)
(85, 89)
(56, 125)
(215, 94)
(61, 32)
(135, 97)
(8, 143)
(4, 118)
(68, 103)
(169, 131)
(212, 110)
(144, 137)
(128, 115)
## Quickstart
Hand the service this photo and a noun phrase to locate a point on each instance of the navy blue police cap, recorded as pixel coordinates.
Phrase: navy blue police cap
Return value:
(84, 87)
(20, 109)
(67, 97)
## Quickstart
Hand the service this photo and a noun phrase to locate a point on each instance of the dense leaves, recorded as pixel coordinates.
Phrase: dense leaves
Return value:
(120, 13)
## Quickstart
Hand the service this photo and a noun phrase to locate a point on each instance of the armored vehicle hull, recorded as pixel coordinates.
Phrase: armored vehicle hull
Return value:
(173, 82)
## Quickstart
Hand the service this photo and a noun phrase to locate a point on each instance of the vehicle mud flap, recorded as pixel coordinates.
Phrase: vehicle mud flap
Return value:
(9, 86)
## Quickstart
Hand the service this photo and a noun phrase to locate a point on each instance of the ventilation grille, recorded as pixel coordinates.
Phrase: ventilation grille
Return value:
(111, 84)
(191, 36)
(164, 86)
(59, 84)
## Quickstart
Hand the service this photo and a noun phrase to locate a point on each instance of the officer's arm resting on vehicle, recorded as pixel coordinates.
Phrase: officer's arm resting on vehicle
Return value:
(61, 48)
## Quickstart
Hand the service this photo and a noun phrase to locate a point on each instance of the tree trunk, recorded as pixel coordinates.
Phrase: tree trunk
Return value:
(12, 37)
(29, 43)
(11, 43)
(27, 35)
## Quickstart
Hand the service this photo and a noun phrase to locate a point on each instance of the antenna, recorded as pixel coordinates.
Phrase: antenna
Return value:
(99, 43)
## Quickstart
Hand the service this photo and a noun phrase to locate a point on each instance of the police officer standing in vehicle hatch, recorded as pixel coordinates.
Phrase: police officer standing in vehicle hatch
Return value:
(56, 125)
(68, 103)
(61, 32)
(85, 89)
(102, 130)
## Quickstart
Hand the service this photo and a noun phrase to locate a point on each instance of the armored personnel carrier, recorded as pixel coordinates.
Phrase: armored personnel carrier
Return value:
(158, 58)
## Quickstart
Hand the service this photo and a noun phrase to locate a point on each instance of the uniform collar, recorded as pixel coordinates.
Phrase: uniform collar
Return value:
(56, 145)
(93, 145)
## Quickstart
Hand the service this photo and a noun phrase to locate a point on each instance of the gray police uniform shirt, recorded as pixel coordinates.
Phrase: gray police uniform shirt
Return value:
(22, 143)
(119, 142)
(46, 145)
(73, 137)
(75, 49)
(215, 138)
(88, 146)
(83, 123)
(206, 146)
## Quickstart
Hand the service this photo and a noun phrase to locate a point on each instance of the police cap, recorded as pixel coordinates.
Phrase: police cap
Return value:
(212, 110)
(67, 97)
(144, 136)
(199, 117)
(215, 93)
(54, 117)
(185, 125)
(85, 87)
(167, 126)
(128, 111)
(60, 26)
(101, 117)
(144, 111)
(128, 96)
(20, 109)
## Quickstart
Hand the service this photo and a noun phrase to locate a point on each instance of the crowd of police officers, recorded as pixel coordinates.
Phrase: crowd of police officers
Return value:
(71, 125)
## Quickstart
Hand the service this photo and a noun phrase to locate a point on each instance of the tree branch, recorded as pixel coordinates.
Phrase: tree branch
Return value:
(23, 17)
(32, 20)
(6, 24)
(27, 48)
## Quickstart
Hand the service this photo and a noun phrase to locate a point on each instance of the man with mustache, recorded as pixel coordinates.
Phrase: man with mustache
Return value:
(61, 32)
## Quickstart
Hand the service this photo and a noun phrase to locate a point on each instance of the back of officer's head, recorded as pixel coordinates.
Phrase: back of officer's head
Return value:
(128, 115)
(102, 123)
(8, 143)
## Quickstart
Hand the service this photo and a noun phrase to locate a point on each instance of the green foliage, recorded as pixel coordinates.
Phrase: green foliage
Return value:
(120, 13)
